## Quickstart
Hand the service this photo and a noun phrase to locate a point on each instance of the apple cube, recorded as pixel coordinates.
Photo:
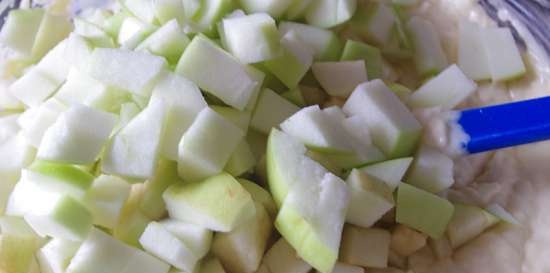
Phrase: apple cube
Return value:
(340, 78)
(325, 43)
(206, 15)
(372, 56)
(110, 66)
(393, 128)
(441, 247)
(167, 10)
(240, 118)
(297, 9)
(422, 210)
(366, 247)
(18, 243)
(472, 55)
(391, 171)
(241, 161)
(241, 250)
(429, 56)
(8, 182)
(211, 265)
(218, 203)
(467, 223)
(93, 33)
(330, 13)
(260, 195)
(282, 258)
(151, 203)
(59, 178)
(56, 255)
(447, 90)
(375, 23)
(33, 88)
(503, 55)
(55, 65)
(275, 8)
(131, 222)
(271, 109)
(196, 238)
(15, 153)
(502, 214)
(361, 140)
(133, 31)
(218, 73)
(251, 38)
(35, 121)
(168, 41)
(144, 10)
(403, 92)
(295, 96)
(106, 198)
(134, 151)
(405, 241)
(431, 170)
(346, 268)
(201, 153)
(69, 140)
(185, 101)
(53, 29)
(114, 256)
(20, 28)
(370, 199)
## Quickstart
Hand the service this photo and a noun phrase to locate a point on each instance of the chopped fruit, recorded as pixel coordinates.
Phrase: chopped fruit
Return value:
(366, 247)
(406, 241)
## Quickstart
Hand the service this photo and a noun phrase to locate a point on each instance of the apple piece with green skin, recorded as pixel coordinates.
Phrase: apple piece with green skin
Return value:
(403, 92)
(296, 60)
(503, 55)
(406, 241)
(240, 118)
(105, 199)
(68, 140)
(271, 109)
(144, 10)
(282, 258)
(233, 204)
(391, 171)
(467, 223)
(330, 13)
(169, 248)
(375, 23)
(168, 41)
(365, 150)
(196, 238)
(260, 195)
(439, 91)
(354, 50)
(20, 29)
(423, 211)
(114, 256)
(35, 121)
(502, 214)
(110, 66)
(346, 268)
(326, 44)
(18, 243)
(242, 249)
(295, 96)
(393, 128)
(431, 170)
(94, 34)
(297, 9)
(185, 101)
(151, 203)
(211, 265)
(340, 78)
(275, 8)
(134, 150)
(207, 65)
(429, 56)
(53, 29)
(56, 255)
(201, 156)
(251, 38)
(242, 160)
(472, 55)
(370, 199)
(205, 16)
(167, 10)
(131, 222)
(366, 247)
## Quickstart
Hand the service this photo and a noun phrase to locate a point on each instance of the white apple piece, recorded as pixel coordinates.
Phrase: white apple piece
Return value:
(132, 221)
(169, 41)
(325, 43)
(260, 195)
(185, 101)
(132, 32)
(218, 73)
(346, 268)
(447, 90)
(53, 29)
(251, 38)
(359, 131)
(282, 258)
(296, 60)
(393, 128)
(372, 56)
(271, 109)
(35, 121)
(20, 28)
(503, 55)
(502, 214)
(164, 245)
(134, 151)
(330, 13)
(314, 128)
(467, 223)
(370, 199)
(105, 199)
(391, 171)
(472, 55)
(101, 253)
(204, 16)
(431, 170)
(167, 10)
(366, 247)
(428, 53)
(93, 33)
(375, 23)
(275, 8)
(151, 203)
(18, 243)
(218, 203)
(56, 255)
(406, 241)
(110, 66)
(423, 211)
(340, 78)
(196, 238)
(211, 265)
(71, 141)
(242, 160)
(297, 9)
(201, 154)
(241, 250)
(143, 10)
(240, 118)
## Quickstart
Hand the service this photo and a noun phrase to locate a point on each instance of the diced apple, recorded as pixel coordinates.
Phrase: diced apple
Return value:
(20, 29)
(35, 121)
(151, 203)
(422, 260)
(275, 8)
(282, 258)
(372, 56)
(441, 247)
(240, 118)
(431, 170)
(77, 51)
(297, 9)
(366, 247)
(196, 238)
(423, 211)
(133, 31)
(218, 73)
(359, 131)
(346, 268)
(270, 111)
(201, 154)
(504, 57)
(502, 214)
(370, 199)
(330, 13)
(472, 55)
(168, 41)
(94, 34)
(393, 128)
(144, 10)
(33, 88)
(295, 96)
(260, 195)
(18, 243)
(53, 29)
(405, 241)
(211, 265)
(326, 44)
(340, 78)
(56, 255)
(429, 56)
(205, 15)
(61, 178)
(167, 10)
(391, 171)
(375, 23)
(241, 161)
(229, 204)
(106, 198)
(55, 65)
(403, 92)
(467, 223)
(131, 222)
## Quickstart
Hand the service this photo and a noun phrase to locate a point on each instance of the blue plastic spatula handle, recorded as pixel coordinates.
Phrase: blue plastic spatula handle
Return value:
(506, 125)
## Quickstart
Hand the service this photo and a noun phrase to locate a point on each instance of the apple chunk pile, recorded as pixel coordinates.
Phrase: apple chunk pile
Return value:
(234, 136)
